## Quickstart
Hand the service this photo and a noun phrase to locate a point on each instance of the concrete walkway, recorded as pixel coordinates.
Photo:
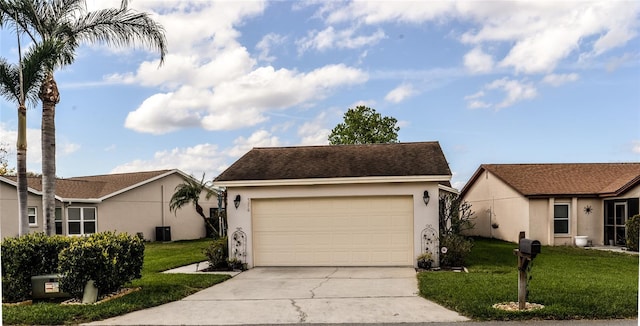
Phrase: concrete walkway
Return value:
(300, 295)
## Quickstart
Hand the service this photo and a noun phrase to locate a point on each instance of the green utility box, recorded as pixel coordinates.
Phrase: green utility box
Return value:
(47, 286)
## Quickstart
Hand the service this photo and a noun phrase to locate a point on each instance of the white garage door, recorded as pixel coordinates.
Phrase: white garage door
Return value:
(336, 231)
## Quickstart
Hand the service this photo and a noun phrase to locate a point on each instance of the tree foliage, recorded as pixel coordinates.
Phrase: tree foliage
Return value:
(189, 192)
(363, 125)
(456, 217)
(4, 165)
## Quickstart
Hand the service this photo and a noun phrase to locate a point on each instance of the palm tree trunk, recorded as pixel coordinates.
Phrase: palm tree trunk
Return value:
(21, 145)
(50, 97)
(207, 222)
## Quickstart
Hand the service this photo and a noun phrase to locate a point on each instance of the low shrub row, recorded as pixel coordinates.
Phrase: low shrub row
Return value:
(633, 232)
(110, 259)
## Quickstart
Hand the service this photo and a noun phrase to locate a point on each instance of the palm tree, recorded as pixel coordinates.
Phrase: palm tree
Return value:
(20, 83)
(68, 22)
(189, 192)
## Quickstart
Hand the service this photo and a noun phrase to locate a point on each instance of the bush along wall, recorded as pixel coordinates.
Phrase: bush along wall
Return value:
(110, 259)
(633, 232)
(26, 256)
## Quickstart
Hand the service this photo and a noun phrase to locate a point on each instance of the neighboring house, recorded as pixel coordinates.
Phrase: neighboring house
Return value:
(554, 203)
(128, 202)
(342, 205)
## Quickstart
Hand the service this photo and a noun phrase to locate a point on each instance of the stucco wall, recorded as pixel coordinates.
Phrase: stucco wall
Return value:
(492, 201)
(9, 223)
(144, 208)
(141, 209)
(591, 224)
(423, 215)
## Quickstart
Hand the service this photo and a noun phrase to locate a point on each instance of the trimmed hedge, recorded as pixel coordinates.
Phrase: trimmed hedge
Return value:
(110, 260)
(633, 232)
(26, 256)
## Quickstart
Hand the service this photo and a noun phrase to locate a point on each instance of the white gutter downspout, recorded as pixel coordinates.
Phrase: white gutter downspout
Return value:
(162, 204)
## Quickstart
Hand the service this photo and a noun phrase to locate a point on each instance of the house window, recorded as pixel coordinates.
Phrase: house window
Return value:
(81, 220)
(33, 216)
(59, 220)
(561, 219)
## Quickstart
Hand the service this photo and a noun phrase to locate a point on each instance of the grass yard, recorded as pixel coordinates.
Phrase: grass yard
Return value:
(157, 288)
(571, 283)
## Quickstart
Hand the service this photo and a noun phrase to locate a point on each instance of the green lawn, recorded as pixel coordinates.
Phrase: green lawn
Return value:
(571, 283)
(157, 288)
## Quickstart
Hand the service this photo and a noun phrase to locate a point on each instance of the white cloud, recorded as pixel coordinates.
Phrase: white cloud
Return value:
(314, 132)
(9, 136)
(329, 38)
(400, 93)
(201, 158)
(260, 138)
(375, 12)
(192, 160)
(240, 102)
(560, 79)
(477, 61)
(635, 146)
(514, 91)
(538, 34)
(265, 45)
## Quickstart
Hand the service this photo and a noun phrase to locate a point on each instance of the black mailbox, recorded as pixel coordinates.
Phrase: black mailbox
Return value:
(529, 247)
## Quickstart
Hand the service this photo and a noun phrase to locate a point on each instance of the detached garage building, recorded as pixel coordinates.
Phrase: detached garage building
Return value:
(343, 205)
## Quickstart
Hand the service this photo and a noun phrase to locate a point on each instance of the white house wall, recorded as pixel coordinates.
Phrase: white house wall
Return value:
(424, 216)
(144, 208)
(9, 211)
(140, 209)
(494, 202)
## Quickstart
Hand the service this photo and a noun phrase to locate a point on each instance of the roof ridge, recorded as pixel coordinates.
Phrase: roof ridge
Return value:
(340, 145)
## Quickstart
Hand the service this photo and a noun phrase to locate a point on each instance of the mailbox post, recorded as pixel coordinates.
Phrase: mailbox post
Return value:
(527, 250)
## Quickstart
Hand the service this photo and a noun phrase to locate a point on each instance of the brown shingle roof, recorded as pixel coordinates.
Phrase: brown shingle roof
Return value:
(339, 161)
(581, 179)
(93, 187)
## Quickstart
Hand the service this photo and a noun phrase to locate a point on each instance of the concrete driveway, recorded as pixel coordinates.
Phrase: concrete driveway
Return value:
(300, 295)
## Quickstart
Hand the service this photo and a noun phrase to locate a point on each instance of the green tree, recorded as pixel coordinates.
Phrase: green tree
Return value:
(68, 23)
(363, 125)
(4, 165)
(20, 83)
(190, 192)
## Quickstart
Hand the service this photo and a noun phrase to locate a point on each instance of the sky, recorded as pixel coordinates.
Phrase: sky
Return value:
(492, 81)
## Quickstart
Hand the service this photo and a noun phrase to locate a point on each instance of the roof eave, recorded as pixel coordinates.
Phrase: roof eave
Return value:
(332, 181)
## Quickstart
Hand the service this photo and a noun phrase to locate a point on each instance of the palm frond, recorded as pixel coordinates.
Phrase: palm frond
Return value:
(122, 27)
(9, 81)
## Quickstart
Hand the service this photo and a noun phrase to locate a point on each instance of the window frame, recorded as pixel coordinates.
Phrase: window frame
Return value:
(35, 216)
(82, 220)
(58, 220)
(567, 219)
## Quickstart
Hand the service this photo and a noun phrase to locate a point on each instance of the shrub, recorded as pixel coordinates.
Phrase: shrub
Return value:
(633, 232)
(458, 248)
(26, 256)
(110, 260)
(217, 253)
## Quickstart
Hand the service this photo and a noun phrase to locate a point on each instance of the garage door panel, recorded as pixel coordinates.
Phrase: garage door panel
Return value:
(338, 231)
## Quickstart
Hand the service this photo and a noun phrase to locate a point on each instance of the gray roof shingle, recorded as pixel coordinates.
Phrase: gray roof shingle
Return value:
(339, 161)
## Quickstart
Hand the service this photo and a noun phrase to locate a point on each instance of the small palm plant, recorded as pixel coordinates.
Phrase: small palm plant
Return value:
(189, 192)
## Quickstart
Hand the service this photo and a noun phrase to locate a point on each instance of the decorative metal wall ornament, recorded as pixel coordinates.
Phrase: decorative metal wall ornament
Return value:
(588, 209)
(239, 245)
(429, 239)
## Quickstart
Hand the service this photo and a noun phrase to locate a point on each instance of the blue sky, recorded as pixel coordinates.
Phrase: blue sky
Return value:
(493, 82)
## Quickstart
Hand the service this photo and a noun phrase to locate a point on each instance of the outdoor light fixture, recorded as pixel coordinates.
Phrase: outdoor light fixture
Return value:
(425, 197)
(236, 202)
